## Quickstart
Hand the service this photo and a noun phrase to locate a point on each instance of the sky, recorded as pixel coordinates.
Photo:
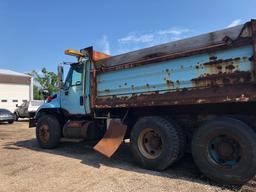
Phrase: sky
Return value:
(34, 33)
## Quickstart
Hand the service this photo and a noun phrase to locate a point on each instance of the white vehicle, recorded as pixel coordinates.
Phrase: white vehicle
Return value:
(27, 109)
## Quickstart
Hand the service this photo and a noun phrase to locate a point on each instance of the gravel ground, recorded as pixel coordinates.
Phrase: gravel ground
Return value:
(74, 166)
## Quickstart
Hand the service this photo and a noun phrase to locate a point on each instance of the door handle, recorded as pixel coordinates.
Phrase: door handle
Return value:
(81, 100)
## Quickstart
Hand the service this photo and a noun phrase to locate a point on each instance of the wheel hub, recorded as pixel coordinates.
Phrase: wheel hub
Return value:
(44, 133)
(150, 143)
(154, 142)
(224, 150)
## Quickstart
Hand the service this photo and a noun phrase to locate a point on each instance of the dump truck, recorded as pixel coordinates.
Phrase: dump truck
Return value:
(196, 95)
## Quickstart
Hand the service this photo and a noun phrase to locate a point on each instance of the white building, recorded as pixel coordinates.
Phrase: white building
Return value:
(15, 88)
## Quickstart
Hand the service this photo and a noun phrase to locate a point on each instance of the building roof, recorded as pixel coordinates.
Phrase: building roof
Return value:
(12, 73)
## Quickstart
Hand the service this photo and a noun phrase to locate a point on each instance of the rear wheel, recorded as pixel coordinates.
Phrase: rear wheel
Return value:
(181, 137)
(154, 143)
(249, 120)
(48, 132)
(224, 150)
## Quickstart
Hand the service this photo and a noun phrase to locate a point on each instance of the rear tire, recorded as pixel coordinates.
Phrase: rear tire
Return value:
(48, 132)
(181, 136)
(224, 150)
(250, 121)
(154, 143)
(10, 122)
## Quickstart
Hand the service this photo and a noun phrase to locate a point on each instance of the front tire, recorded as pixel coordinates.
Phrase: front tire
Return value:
(16, 117)
(48, 132)
(154, 143)
(224, 150)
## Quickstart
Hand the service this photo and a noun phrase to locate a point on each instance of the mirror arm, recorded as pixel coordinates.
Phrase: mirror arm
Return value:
(60, 76)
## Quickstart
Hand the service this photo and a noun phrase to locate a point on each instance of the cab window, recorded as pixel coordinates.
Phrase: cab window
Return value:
(75, 76)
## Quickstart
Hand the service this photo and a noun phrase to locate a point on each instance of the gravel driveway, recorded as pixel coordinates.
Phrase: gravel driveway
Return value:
(74, 166)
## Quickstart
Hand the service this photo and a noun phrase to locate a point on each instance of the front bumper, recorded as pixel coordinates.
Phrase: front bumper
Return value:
(32, 123)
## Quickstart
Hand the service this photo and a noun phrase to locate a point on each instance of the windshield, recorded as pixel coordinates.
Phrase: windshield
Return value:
(75, 76)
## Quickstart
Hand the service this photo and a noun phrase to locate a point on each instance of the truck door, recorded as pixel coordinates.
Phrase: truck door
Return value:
(72, 94)
(23, 109)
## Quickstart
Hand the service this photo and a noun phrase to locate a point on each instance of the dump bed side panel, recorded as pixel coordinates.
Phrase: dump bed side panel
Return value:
(203, 40)
(217, 73)
(141, 85)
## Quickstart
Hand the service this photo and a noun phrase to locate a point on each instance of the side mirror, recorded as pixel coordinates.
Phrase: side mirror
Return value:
(60, 76)
(17, 105)
(45, 93)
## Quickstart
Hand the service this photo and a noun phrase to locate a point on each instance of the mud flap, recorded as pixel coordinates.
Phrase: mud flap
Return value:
(32, 123)
(112, 139)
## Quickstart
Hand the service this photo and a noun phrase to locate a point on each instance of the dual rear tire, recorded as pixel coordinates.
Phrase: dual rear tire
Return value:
(155, 142)
(224, 149)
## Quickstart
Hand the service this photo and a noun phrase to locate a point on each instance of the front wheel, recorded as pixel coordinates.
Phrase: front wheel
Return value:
(224, 150)
(16, 117)
(48, 132)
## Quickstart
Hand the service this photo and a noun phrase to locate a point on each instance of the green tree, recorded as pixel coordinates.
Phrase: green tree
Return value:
(37, 92)
(46, 79)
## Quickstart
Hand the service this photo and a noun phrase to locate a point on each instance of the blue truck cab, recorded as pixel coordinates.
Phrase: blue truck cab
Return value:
(73, 97)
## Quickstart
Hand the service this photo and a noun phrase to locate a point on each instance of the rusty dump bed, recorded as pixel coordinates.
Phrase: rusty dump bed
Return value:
(211, 68)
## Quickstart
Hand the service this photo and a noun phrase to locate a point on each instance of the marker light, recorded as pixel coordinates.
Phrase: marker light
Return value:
(73, 53)
(51, 97)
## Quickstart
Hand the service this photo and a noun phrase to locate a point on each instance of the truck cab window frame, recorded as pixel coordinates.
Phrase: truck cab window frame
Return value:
(74, 77)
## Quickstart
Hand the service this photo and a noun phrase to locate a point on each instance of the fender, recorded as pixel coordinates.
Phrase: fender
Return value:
(54, 103)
